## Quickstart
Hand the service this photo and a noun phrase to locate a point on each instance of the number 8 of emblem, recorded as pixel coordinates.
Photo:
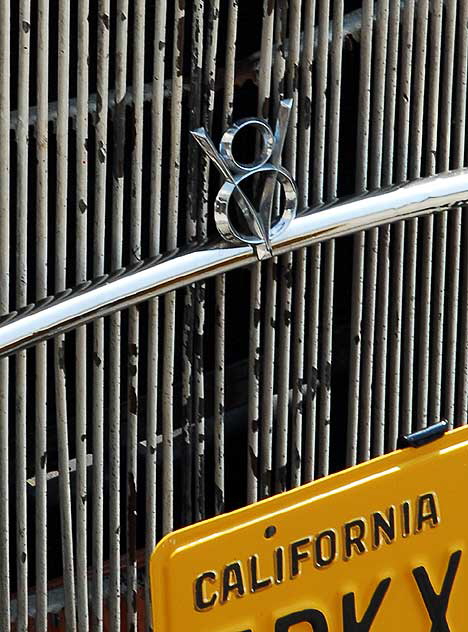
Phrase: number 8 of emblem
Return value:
(259, 222)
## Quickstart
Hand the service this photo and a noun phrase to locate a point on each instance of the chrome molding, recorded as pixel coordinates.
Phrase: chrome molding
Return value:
(149, 279)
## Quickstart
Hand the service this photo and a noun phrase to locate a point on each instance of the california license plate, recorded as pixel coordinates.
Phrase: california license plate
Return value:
(378, 547)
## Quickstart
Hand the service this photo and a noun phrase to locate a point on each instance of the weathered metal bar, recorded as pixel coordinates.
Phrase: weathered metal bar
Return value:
(103, 46)
(439, 155)
(357, 446)
(397, 235)
(401, 394)
(133, 348)
(314, 273)
(157, 110)
(220, 283)
(115, 526)
(461, 405)
(268, 324)
(115, 363)
(299, 261)
(280, 279)
(42, 141)
(304, 166)
(448, 147)
(462, 408)
(4, 306)
(60, 272)
(81, 214)
(196, 168)
(304, 172)
(322, 266)
(432, 45)
(22, 561)
(424, 228)
(328, 253)
(254, 466)
(254, 391)
(208, 76)
(374, 382)
(22, 140)
(64, 484)
(170, 299)
(163, 275)
(208, 108)
(267, 390)
(271, 324)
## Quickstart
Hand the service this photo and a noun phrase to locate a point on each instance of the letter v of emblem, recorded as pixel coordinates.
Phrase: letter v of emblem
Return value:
(258, 226)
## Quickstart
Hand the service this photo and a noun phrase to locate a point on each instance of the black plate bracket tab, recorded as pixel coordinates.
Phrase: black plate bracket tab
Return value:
(426, 435)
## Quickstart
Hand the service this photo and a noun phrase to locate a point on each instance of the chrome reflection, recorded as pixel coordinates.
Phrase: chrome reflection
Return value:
(160, 275)
(262, 226)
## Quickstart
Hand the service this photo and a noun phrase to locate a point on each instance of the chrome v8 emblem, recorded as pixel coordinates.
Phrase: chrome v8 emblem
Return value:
(259, 227)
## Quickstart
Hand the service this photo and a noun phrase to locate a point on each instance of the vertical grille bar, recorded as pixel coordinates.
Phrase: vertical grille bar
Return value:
(193, 203)
(270, 311)
(397, 236)
(407, 232)
(454, 224)
(331, 193)
(209, 107)
(277, 311)
(459, 152)
(437, 94)
(414, 157)
(170, 299)
(4, 306)
(115, 365)
(300, 258)
(253, 402)
(424, 320)
(134, 321)
(22, 140)
(209, 81)
(462, 404)
(426, 225)
(59, 343)
(255, 469)
(284, 74)
(64, 486)
(265, 378)
(168, 381)
(375, 384)
(157, 111)
(303, 175)
(268, 387)
(81, 214)
(392, 68)
(42, 140)
(463, 398)
(322, 266)
(359, 247)
(98, 339)
(220, 283)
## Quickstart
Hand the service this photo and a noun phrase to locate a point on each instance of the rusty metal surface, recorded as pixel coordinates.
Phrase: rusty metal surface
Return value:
(249, 383)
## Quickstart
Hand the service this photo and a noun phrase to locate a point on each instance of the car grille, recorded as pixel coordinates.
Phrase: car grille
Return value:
(249, 383)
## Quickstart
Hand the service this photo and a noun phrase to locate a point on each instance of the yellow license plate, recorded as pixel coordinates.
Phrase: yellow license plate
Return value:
(378, 547)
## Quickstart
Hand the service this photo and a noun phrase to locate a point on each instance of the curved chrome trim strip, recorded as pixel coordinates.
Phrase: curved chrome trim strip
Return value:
(164, 274)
